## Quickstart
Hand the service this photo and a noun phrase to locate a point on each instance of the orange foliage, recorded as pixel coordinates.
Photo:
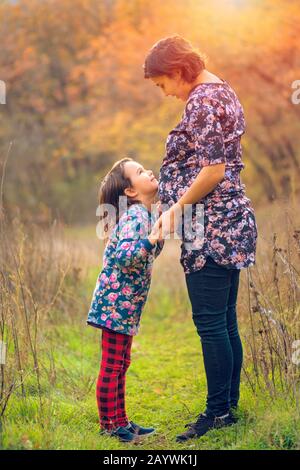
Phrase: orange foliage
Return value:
(76, 90)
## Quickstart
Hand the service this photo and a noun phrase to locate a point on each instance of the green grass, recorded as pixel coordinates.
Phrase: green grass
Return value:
(166, 388)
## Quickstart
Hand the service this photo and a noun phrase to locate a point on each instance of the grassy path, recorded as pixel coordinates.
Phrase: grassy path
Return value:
(165, 388)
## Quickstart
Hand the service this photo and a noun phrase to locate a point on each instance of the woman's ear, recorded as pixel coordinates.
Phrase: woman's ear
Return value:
(177, 74)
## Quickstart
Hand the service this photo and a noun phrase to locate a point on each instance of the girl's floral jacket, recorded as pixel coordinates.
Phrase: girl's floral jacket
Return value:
(123, 284)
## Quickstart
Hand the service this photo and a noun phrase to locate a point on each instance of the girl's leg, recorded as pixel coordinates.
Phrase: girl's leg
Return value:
(113, 351)
(121, 408)
(235, 340)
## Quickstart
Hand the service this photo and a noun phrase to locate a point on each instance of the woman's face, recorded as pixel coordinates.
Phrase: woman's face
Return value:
(172, 86)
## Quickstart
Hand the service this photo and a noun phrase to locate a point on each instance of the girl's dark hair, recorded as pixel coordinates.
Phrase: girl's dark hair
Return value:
(112, 187)
(174, 53)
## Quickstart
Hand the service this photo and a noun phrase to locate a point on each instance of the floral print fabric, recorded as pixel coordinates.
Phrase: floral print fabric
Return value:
(210, 133)
(123, 284)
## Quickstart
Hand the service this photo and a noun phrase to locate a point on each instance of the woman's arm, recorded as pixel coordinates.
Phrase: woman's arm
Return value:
(205, 182)
(203, 122)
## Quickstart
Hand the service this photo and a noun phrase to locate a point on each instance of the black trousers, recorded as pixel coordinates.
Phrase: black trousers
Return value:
(213, 294)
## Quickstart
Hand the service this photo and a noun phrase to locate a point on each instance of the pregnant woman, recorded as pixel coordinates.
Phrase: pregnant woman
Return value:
(202, 165)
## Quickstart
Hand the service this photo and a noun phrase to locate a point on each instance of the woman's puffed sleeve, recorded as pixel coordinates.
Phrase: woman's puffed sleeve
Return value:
(203, 119)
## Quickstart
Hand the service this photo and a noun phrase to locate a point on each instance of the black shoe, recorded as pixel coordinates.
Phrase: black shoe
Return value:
(122, 433)
(203, 425)
(139, 430)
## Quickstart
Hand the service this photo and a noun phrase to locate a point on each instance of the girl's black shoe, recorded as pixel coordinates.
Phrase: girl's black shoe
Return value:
(139, 430)
(203, 425)
(122, 433)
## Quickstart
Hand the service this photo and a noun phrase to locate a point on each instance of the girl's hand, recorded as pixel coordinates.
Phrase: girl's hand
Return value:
(156, 233)
(169, 220)
(159, 208)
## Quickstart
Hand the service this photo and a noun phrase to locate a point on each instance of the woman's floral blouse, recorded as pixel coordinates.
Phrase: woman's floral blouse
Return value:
(123, 284)
(209, 133)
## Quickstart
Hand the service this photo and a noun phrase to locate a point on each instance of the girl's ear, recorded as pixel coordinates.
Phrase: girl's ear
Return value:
(130, 192)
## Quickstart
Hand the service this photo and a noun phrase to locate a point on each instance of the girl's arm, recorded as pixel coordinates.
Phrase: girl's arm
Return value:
(133, 244)
(160, 243)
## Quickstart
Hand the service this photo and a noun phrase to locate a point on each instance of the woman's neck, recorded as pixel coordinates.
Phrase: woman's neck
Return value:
(204, 77)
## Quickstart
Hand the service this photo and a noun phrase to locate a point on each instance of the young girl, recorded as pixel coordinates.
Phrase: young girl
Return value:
(122, 288)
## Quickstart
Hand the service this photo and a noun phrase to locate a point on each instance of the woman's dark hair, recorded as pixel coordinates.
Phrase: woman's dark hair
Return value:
(112, 187)
(174, 53)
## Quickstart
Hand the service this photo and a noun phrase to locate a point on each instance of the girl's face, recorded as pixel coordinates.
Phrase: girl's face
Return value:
(144, 184)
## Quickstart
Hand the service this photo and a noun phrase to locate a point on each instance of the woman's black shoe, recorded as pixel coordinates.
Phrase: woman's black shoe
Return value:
(203, 425)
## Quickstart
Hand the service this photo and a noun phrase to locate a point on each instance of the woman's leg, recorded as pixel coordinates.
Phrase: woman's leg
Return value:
(209, 290)
(234, 337)
(121, 408)
(113, 351)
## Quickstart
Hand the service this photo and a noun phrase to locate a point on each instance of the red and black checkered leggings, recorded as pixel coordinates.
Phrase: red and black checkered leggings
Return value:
(110, 391)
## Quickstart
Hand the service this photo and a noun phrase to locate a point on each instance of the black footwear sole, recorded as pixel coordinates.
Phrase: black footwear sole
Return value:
(182, 441)
(136, 440)
(184, 437)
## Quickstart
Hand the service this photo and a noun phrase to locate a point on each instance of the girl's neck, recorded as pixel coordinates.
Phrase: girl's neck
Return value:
(147, 202)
